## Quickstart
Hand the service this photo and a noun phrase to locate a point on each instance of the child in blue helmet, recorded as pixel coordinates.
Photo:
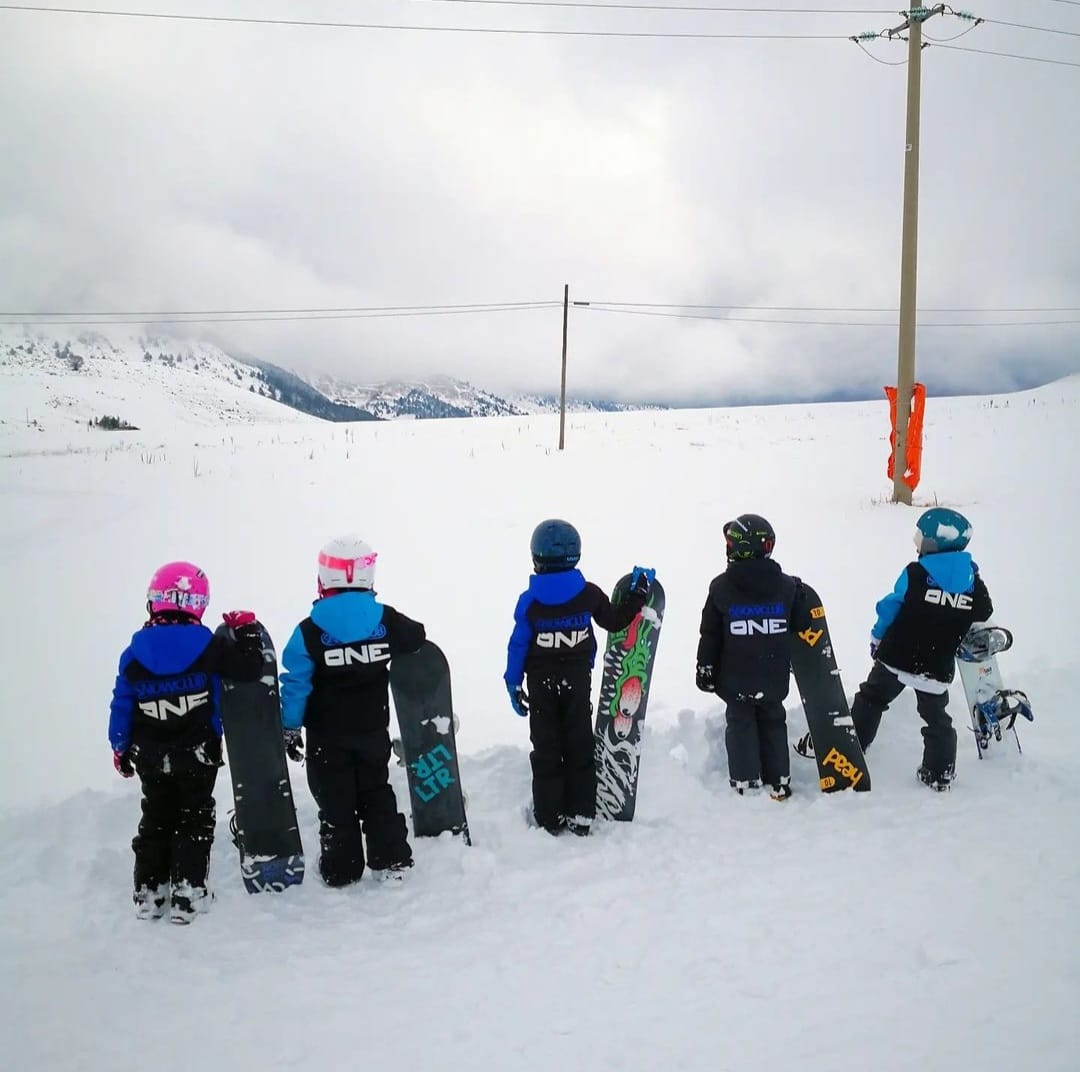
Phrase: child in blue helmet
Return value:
(919, 627)
(553, 647)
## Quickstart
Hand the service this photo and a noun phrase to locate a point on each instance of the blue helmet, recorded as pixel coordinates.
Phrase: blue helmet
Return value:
(555, 546)
(941, 529)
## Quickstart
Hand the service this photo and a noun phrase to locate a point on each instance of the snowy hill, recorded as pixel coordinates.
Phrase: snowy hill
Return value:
(147, 381)
(899, 929)
(443, 396)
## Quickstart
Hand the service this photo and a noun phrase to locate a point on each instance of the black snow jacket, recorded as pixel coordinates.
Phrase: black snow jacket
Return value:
(744, 631)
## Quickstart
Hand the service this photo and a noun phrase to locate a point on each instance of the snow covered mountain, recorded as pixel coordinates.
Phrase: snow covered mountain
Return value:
(443, 396)
(135, 378)
(76, 373)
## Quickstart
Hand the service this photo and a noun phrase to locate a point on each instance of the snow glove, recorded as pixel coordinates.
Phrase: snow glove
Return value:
(245, 628)
(875, 643)
(641, 580)
(294, 746)
(704, 679)
(518, 700)
(122, 762)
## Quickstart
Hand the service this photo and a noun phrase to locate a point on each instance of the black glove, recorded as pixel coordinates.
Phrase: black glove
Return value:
(122, 762)
(294, 746)
(704, 680)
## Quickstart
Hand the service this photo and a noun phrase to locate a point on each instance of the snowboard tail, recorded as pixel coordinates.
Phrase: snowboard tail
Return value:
(839, 756)
(624, 696)
(420, 684)
(263, 825)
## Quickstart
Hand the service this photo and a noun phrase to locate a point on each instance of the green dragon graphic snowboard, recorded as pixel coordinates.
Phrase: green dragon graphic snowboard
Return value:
(624, 695)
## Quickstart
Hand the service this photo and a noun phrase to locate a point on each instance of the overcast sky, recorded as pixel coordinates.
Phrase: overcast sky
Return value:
(163, 165)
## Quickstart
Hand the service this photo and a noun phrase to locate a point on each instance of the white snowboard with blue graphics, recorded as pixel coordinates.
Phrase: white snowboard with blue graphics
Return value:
(993, 709)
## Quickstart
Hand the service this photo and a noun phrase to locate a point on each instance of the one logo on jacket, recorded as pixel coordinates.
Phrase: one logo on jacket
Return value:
(357, 654)
(175, 697)
(175, 706)
(748, 619)
(566, 632)
(941, 598)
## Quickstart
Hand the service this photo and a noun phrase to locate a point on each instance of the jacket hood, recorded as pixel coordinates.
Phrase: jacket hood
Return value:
(952, 571)
(556, 588)
(169, 649)
(756, 577)
(348, 616)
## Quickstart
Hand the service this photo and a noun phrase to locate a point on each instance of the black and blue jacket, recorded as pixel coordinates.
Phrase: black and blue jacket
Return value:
(336, 667)
(744, 631)
(553, 623)
(921, 622)
(166, 704)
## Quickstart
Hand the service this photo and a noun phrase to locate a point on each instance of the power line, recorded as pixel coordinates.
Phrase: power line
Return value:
(830, 323)
(835, 308)
(1011, 55)
(464, 307)
(516, 31)
(719, 9)
(1025, 26)
(266, 319)
(86, 316)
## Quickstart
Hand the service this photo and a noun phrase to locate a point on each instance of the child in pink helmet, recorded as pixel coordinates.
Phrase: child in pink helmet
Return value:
(165, 726)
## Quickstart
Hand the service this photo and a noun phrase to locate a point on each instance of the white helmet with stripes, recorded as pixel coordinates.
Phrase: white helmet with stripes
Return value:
(347, 562)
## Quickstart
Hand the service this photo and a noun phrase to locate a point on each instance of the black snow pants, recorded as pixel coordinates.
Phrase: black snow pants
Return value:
(757, 745)
(939, 737)
(176, 832)
(563, 749)
(351, 785)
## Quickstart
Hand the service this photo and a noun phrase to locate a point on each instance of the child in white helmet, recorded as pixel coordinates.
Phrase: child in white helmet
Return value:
(335, 683)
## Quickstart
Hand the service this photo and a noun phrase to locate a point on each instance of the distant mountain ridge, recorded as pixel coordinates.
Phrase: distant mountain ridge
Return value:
(191, 369)
(170, 364)
(443, 396)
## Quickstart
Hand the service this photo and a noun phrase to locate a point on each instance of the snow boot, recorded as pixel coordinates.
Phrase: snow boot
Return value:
(579, 825)
(742, 788)
(150, 901)
(781, 790)
(188, 901)
(938, 782)
(394, 875)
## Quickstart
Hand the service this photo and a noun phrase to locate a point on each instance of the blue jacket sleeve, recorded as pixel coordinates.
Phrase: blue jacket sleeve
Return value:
(889, 607)
(297, 668)
(520, 639)
(122, 708)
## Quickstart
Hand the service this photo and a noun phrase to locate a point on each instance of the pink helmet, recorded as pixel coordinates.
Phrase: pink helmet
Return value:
(178, 586)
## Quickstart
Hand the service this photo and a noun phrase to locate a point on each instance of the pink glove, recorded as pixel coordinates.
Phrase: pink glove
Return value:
(122, 762)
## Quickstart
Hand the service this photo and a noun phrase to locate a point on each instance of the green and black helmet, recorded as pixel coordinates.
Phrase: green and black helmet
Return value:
(749, 536)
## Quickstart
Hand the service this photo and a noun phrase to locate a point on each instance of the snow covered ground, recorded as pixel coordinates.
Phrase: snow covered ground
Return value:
(893, 930)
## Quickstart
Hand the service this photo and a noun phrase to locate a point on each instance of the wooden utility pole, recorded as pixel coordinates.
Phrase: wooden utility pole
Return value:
(562, 389)
(905, 372)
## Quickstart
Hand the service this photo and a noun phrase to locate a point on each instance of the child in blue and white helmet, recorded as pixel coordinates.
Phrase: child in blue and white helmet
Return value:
(919, 627)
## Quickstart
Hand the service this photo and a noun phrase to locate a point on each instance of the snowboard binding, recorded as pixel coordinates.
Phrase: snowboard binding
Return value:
(983, 643)
(994, 717)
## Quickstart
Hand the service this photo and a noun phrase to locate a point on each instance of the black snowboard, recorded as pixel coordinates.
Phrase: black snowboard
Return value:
(420, 683)
(264, 823)
(624, 695)
(840, 759)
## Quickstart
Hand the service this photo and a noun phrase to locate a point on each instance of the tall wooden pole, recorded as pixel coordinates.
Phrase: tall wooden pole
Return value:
(562, 390)
(909, 248)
